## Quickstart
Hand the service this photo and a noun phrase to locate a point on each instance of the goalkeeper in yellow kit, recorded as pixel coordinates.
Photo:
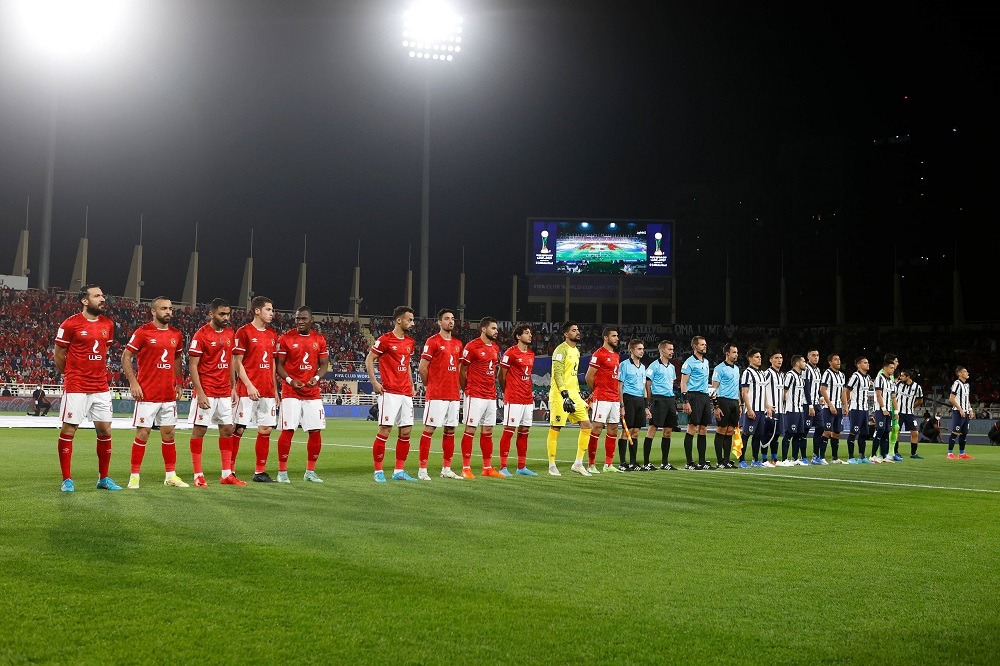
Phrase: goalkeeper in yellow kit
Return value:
(566, 405)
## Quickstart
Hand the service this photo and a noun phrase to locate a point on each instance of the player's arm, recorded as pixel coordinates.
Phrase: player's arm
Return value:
(558, 367)
(589, 378)
(241, 373)
(199, 392)
(745, 393)
(502, 378)
(953, 399)
(649, 390)
(824, 393)
(178, 376)
(880, 399)
(133, 382)
(845, 396)
(59, 358)
(324, 365)
(370, 367)
(463, 375)
(684, 387)
(422, 369)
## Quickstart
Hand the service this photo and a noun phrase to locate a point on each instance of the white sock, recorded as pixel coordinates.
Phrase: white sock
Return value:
(226, 472)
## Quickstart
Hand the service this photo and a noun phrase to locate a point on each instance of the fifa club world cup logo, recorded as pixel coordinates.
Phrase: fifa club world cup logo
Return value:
(659, 239)
(545, 243)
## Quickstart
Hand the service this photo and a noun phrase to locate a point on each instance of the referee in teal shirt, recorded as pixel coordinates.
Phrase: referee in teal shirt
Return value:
(632, 387)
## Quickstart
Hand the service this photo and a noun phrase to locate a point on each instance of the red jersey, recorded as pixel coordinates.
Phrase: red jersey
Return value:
(257, 347)
(87, 353)
(302, 355)
(480, 379)
(394, 363)
(518, 389)
(157, 352)
(214, 350)
(442, 368)
(606, 379)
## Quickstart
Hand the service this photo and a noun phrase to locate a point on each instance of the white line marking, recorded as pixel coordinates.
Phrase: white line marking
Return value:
(866, 482)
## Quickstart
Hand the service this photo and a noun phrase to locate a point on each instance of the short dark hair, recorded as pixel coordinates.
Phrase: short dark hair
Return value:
(157, 298)
(401, 310)
(609, 330)
(443, 311)
(84, 292)
(695, 339)
(486, 321)
(831, 356)
(907, 372)
(259, 302)
(521, 328)
(635, 342)
(888, 359)
(726, 347)
(775, 352)
(858, 360)
(304, 308)
(664, 343)
(753, 351)
(797, 358)
(959, 368)
(568, 325)
(218, 303)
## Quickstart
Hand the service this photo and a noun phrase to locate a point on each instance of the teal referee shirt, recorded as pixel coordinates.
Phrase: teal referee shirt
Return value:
(633, 378)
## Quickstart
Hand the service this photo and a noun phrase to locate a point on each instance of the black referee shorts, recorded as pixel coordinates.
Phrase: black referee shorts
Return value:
(701, 409)
(664, 412)
(635, 411)
(730, 413)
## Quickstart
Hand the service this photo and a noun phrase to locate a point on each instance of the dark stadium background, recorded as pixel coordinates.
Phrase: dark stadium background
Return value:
(807, 131)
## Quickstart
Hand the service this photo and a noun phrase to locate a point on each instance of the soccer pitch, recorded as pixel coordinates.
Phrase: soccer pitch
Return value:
(862, 564)
(583, 249)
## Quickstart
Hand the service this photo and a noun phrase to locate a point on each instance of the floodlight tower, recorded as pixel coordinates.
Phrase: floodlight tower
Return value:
(432, 33)
(64, 31)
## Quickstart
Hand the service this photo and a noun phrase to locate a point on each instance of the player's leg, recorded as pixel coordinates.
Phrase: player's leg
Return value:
(510, 424)
(168, 446)
(262, 444)
(598, 416)
(468, 437)
(143, 417)
(610, 444)
(313, 422)
(963, 434)
(580, 416)
(448, 443)
(523, 431)
(488, 420)
(99, 411)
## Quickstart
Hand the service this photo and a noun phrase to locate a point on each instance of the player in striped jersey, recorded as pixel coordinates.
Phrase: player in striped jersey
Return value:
(831, 388)
(755, 402)
(855, 399)
(774, 387)
(961, 412)
(814, 413)
(793, 418)
(910, 395)
(885, 406)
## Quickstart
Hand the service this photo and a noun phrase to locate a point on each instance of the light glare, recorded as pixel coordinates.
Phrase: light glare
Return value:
(68, 28)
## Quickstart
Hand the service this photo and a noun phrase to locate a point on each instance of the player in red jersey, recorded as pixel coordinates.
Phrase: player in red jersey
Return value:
(81, 355)
(395, 392)
(478, 379)
(302, 359)
(439, 373)
(157, 346)
(518, 399)
(253, 356)
(606, 410)
(209, 360)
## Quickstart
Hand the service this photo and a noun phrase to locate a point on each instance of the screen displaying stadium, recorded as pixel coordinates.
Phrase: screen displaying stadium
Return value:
(607, 247)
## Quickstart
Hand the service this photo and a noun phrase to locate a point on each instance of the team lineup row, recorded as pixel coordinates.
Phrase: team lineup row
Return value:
(254, 378)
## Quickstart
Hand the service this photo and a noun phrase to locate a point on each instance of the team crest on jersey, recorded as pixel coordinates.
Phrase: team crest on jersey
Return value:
(431, 420)
(315, 345)
(558, 418)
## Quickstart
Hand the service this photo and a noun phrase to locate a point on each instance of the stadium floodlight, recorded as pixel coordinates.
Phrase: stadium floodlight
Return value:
(67, 29)
(432, 30)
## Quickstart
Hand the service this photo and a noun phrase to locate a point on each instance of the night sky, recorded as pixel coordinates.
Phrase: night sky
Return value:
(765, 132)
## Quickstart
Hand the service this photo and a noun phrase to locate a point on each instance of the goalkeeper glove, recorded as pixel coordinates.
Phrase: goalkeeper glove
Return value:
(568, 404)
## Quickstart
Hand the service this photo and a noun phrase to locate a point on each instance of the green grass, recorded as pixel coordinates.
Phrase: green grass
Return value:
(679, 567)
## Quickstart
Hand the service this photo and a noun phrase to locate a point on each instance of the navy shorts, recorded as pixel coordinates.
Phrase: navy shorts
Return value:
(755, 426)
(793, 423)
(859, 422)
(883, 422)
(958, 423)
(831, 422)
(907, 422)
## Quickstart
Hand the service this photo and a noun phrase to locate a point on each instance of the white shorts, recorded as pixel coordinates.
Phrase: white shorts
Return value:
(480, 411)
(441, 413)
(309, 414)
(606, 412)
(257, 413)
(77, 407)
(219, 412)
(517, 415)
(395, 410)
(148, 414)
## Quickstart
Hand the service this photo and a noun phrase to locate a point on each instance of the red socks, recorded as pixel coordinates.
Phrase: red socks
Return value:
(235, 447)
(196, 454)
(138, 451)
(448, 447)
(378, 451)
(262, 447)
(226, 452)
(486, 446)
(103, 455)
(467, 448)
(169, 451)
(425, 449)
(65, 449)
(522, 449)
(610, 443)
(313, 446)
(508, 434)
(284, 448)
(592, 447)
(402, 450)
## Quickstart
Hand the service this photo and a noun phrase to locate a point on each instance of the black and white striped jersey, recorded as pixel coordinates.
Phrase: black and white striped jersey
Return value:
(886, 386)
(813, 377)
(908, 394)
(794, 392)
(960, 390)
(834, 381)
(861, 391)
(775, 389)
(754, 380)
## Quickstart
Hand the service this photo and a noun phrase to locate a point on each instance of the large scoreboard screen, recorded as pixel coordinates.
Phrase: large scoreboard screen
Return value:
(606, 246)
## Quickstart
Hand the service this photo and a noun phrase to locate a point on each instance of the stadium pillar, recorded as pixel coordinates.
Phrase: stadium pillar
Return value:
(566, 303)
(133, 289)
(729, 295)
(513, 301)
(300, 288)
(80, 266)
(408, 293)
(356, 298)
(191, 282)
(246, 288)
(548, 310)
(21, 258)
(621, 301)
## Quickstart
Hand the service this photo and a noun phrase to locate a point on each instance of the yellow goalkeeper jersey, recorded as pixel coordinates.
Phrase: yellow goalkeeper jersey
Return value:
(565, 362)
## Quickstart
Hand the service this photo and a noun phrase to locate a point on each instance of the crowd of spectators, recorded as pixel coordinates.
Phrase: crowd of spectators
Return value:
(28, 320)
